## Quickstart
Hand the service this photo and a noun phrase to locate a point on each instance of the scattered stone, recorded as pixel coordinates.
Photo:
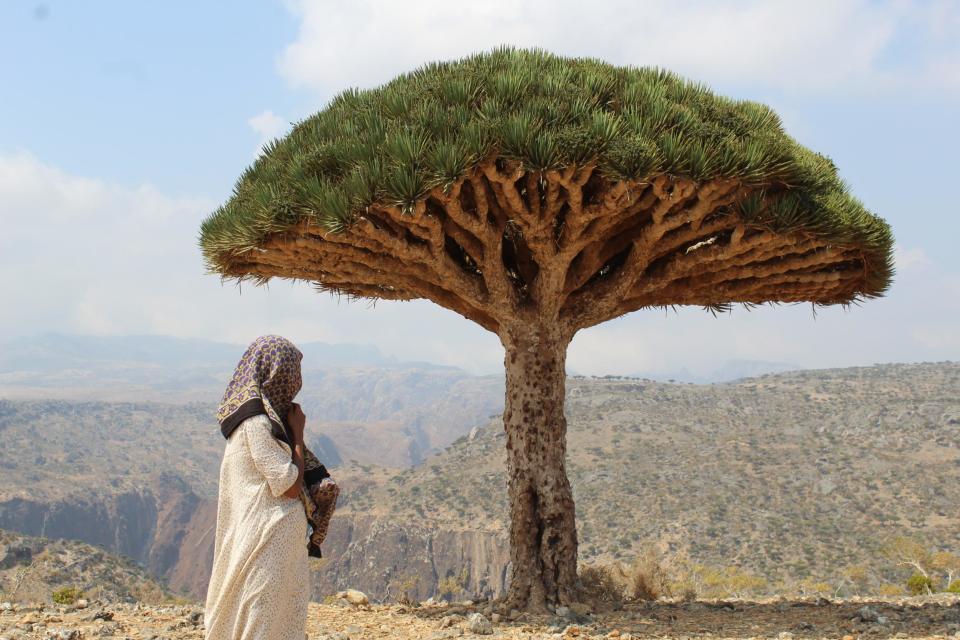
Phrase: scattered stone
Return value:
(99, 614)
(449, 621)
(29, 618)
(353, 596)
(478, 624)
(919, 619)
(81, 603)
(867, 614)
(562, 611)
(107, 630)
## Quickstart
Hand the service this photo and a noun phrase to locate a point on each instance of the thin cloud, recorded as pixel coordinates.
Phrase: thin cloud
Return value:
(910, 258)
(268, 126)
(815, 46)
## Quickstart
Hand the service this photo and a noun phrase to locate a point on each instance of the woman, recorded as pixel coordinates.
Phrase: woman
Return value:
(259, 587)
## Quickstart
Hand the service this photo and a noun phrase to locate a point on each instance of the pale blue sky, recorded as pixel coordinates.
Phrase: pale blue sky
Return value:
(122, 124)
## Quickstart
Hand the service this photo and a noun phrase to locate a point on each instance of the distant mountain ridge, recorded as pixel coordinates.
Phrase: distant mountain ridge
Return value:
(52, 353)
(56, 352)
(731, 370)
(161, 368)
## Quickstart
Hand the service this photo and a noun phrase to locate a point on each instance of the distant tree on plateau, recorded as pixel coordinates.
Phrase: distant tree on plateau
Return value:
(537, 195)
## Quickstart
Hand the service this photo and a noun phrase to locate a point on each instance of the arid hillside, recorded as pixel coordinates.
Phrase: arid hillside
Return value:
(38, 569)
(800, 477)
(792, 481)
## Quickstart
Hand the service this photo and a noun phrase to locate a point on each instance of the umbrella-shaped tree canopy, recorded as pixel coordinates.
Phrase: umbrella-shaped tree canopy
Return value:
(590, 158)
(537, 195)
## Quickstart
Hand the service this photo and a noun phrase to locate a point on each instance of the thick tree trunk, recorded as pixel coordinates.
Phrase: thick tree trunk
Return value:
(543, 536)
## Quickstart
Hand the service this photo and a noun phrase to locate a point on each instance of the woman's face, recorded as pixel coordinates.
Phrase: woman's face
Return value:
(297, 382)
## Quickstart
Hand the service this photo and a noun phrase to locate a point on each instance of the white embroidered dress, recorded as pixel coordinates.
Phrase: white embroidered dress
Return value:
(259, 587)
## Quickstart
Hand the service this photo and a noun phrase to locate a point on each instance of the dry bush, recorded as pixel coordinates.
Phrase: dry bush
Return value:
(602, 586)
(648, 577)
(403, 585)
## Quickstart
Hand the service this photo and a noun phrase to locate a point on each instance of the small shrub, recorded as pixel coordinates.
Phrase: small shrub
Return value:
(450, 586)
(954, 587)
(647, 577)
(919, 585)
(66, 595)
(601, 586)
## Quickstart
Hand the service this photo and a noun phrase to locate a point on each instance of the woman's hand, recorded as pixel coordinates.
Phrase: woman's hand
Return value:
(297, 420)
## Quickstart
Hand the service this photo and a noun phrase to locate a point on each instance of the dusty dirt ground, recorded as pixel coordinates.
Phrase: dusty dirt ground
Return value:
(931, 617)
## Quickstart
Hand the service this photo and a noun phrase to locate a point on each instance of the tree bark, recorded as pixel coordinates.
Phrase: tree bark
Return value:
(543, 536)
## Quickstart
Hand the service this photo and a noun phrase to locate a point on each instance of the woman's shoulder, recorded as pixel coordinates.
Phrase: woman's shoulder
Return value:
(258, 421)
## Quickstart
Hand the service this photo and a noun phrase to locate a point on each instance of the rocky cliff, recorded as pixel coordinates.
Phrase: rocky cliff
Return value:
(166, 528)
(170, 531)
(387, 559)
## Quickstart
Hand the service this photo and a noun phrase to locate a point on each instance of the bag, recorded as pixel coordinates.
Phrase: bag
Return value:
(319, 497)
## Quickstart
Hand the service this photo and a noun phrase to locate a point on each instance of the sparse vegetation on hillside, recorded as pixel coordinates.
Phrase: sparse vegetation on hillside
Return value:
(62, 571)
(104, 447)
(803, 479)
(799, 479)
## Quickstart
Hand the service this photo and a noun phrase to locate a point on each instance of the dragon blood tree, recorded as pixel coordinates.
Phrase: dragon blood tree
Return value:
(537, 195)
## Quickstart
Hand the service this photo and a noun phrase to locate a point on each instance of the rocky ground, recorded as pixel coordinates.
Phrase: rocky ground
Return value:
(930, 617)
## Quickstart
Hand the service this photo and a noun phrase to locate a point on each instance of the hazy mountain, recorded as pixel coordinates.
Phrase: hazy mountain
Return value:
(728, 372)
(58, 352)
(138, 368)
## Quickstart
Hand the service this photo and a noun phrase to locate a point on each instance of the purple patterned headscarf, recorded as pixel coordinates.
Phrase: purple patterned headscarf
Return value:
(266, 380)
